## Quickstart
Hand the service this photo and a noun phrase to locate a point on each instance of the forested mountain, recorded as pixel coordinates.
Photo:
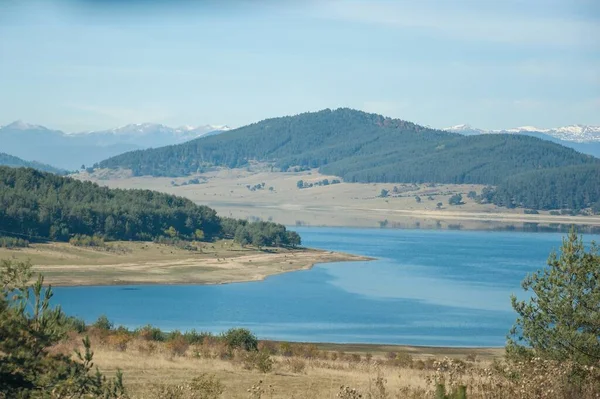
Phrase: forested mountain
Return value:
(362, 147)
(36, 204)
(15, 162)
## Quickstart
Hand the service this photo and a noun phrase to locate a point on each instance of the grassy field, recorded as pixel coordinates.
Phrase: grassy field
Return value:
(344, 204)
(307, 371)
(148, 263)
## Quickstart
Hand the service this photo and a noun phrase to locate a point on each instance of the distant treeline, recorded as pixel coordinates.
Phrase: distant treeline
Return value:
(362, 147)
(40, 205)
(15, 162)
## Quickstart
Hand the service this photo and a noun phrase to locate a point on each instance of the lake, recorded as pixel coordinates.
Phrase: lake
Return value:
(427, 287)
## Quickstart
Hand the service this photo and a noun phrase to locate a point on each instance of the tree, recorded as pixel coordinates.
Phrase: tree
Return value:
(29, 327)
(417, 198)
(456, 199)
(300, 184)
(384, 193)
(241, 338)
(472, 194)
(561, 321)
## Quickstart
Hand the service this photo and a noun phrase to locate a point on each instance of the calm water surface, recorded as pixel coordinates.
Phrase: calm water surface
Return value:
(445, 288)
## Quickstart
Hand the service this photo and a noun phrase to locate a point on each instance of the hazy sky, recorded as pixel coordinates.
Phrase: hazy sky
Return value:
(82, 65)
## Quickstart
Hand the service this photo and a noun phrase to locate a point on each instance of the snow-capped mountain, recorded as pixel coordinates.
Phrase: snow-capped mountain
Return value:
(574, 133)
(71, 150)
(466, 130)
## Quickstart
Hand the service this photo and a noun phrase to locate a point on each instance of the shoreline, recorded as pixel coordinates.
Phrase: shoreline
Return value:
(144, 263)
(344, 257)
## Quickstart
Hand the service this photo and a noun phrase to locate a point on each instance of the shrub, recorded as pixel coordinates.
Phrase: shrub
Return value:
(177, 345)
(82, 240)
(150, 333)
(241, 338)
(76, 324)
(295, 365)
(12, 242)
(103, 323)
(203, 387)
(259, 360)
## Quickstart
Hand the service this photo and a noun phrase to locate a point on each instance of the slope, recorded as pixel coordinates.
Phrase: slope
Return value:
(15, 162)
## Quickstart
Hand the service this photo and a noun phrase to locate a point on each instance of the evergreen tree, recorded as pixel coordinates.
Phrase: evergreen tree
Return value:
(561, 321)
(28, 328)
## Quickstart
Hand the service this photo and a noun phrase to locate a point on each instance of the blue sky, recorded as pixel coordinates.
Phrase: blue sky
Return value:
(86, 65)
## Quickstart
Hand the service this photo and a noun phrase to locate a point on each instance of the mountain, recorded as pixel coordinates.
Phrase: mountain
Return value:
(573, 133)
(14, 162)
(70, 151)
(362, 147)
(585, 139)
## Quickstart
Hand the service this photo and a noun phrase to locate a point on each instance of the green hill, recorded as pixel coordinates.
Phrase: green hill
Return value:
(15, 162)
(40, 205)
(360, 147)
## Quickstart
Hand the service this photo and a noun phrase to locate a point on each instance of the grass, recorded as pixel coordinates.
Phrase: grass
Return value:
(345, 204)
(319, 372)
(149, 263)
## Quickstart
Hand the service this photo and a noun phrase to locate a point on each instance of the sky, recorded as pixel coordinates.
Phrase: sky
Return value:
(92, 65)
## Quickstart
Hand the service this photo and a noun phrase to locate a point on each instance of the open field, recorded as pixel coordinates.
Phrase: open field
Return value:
(344, 204)
(148, 263)
(307, 371)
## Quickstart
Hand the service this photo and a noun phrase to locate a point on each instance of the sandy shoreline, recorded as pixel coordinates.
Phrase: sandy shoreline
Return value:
(152, 264)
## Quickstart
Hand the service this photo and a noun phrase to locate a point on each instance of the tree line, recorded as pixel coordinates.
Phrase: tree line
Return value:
(38, 205)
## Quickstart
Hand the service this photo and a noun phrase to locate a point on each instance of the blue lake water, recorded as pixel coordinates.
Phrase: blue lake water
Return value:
(428, 287)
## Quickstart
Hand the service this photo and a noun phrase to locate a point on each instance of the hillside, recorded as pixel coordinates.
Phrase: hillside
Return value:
(15, 162)
(361, 147)
(39, 205)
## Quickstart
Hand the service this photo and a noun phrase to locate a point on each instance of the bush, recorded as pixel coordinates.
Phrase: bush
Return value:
(295, 365)
(76, 324)
(82, 240)
(103, 323)
(240, 338)
(203, 387)
(260, 360)
(12, 242)
(150, 333)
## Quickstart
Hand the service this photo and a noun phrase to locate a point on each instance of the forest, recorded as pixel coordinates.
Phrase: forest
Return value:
(362, 147)
(37, 205)
(16, 162)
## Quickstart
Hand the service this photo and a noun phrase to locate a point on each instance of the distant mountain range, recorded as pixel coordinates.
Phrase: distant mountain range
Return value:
(582, 138)
(575, 133)
(70, 151)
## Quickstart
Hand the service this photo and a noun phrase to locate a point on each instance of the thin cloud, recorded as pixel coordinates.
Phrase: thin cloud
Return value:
(465, 24)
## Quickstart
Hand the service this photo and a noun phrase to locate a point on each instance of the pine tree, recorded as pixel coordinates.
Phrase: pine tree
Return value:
(28, 328)
(561, 321)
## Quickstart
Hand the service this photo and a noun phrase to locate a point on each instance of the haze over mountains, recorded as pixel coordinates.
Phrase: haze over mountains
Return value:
(70, 151)
(582, 138)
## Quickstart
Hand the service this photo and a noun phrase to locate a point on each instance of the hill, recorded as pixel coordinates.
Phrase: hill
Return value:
(71, 150)
(15, 162)
(362, 147)
(42, 205)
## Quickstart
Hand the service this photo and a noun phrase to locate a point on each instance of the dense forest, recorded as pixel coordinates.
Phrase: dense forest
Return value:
(362, 147)
(572, 187)
(40, 205)
(15, 162)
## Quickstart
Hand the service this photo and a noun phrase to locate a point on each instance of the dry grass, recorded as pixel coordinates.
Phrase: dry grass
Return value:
(345, 204)
(149, 263)
(159, 368)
